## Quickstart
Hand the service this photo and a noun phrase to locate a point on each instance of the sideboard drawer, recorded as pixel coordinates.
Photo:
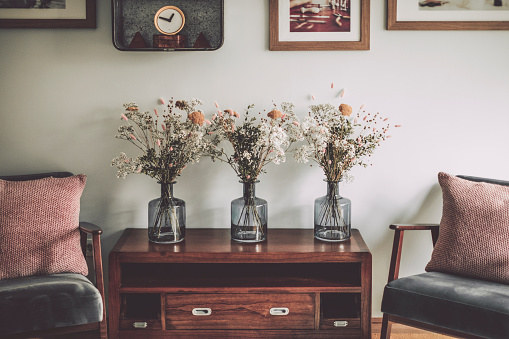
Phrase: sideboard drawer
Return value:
(240, 311)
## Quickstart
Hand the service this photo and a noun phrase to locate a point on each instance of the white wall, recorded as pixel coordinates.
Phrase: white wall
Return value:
(61, 95)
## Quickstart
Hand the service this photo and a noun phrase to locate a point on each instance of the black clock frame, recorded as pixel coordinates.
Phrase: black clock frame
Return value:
(204, 19)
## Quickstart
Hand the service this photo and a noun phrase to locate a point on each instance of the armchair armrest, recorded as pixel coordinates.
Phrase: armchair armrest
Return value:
(95, 231)
(410, 227)
(90, 228)
(398, 243)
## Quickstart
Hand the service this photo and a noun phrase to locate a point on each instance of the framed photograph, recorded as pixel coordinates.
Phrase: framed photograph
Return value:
(47, 13)
(318, 25)
(447, 14)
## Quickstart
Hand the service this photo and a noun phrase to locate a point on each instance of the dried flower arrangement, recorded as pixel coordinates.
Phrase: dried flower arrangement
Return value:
(254, 143)
(167, 148)
(338, 141)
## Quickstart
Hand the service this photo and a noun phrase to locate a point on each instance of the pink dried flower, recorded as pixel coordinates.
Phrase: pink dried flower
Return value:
(132, 136)
(124, 117)
(215, 103)
(158, 142)
(342, 94)
(398, 125)
(155, 111)
(164, 127)
(161, 101)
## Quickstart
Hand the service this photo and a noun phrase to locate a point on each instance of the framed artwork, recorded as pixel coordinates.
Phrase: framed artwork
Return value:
(312, 25)
(447, 14)
(47, 13)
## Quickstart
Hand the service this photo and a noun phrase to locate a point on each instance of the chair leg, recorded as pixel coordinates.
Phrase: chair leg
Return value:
(386, 327)
(103, 329)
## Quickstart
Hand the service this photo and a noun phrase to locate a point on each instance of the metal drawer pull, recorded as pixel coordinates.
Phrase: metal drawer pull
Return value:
(140, 324)
(279, 311)
(341, 323)
(202, 311)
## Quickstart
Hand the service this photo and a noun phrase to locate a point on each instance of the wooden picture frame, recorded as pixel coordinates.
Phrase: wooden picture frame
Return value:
(401, 17)
(78, 14)
(282, 38)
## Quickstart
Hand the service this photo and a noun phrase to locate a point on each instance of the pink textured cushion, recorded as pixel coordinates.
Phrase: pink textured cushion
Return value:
(39, 222)
(474, 230)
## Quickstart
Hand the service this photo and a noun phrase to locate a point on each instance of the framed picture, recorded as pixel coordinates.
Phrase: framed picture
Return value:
(47, 13)
(447, 14)
(311, 25)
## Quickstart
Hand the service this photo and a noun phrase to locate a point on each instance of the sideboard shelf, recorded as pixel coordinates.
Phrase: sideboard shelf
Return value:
(289, 285)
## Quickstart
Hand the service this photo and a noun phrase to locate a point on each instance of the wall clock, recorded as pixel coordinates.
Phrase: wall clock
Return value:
(168, 25)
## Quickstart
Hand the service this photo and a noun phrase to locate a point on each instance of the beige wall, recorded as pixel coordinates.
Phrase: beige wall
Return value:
(61, 96)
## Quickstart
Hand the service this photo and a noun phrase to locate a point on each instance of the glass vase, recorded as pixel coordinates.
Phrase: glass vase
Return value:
(166, 217)
(332, 215)
(249, 216)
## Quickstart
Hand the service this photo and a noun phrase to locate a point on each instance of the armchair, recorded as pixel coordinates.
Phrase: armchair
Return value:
(56, 304)
(465, 291)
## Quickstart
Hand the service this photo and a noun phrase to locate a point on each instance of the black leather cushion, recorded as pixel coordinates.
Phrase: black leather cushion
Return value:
(42, 302)
(462, 304)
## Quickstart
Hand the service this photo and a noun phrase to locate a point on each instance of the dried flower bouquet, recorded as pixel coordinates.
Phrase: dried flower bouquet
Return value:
(168, 143)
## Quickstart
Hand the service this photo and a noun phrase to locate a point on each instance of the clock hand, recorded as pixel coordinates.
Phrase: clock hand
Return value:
(167, 19)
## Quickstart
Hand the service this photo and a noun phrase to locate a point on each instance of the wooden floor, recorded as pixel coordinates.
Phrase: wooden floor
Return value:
(404, 332)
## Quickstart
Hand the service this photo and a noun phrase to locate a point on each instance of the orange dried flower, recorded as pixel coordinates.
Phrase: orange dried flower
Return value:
(232, 113)
(197, 118)
(345, 110)
(274, 114)
(131, 108)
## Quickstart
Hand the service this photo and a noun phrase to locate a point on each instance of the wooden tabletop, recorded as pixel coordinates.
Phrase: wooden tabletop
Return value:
(289, 245)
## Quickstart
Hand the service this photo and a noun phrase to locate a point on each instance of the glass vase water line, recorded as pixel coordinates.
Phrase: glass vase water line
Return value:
(249, 216)
(332, 215)
(166, 217)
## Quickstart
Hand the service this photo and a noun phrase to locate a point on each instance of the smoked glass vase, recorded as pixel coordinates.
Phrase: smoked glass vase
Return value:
(166, 217)
(332, 215)
(249, 216)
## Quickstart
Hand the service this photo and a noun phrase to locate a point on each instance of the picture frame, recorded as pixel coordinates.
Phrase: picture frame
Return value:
(76, 14)
(410, 15)
(352, 31)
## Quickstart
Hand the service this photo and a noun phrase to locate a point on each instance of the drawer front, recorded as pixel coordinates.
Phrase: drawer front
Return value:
(240, 311)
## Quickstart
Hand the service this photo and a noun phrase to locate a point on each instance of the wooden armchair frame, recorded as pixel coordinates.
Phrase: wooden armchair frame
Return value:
(397, 245)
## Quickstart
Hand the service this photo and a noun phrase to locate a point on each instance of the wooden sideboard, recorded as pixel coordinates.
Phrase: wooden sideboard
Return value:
(208, 286)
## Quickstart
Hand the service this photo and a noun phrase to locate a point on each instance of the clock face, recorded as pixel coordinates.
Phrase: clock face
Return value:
(169, 20)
